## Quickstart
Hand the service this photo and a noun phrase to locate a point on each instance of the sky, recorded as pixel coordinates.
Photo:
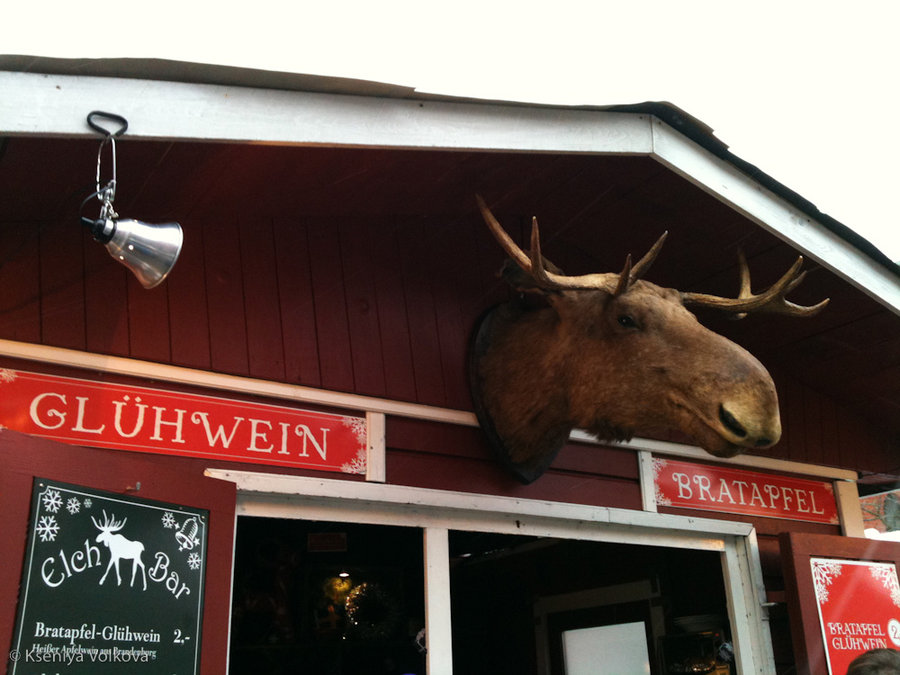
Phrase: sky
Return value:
(807, 91)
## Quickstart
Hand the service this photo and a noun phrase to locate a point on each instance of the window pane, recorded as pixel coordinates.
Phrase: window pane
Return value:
(513, 598)
(323, 598)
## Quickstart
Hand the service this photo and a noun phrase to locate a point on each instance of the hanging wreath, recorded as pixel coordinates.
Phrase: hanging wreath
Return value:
(372, 612)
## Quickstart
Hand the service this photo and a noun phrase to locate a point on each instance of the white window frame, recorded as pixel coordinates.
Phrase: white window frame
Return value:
(437, 512)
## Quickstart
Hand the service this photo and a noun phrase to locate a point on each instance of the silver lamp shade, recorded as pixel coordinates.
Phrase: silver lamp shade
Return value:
(149, 251)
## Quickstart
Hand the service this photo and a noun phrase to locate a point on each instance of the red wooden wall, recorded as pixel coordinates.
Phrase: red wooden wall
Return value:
(376, 306)
(365, 270)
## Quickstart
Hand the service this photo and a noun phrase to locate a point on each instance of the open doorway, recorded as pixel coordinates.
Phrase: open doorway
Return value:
(324, 598)
(693, 570)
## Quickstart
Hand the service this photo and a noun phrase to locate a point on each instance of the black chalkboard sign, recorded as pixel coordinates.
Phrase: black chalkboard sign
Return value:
(110, 584)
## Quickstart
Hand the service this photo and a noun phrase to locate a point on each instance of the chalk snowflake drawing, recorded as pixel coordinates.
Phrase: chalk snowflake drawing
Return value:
(73, 506)
(47, 528)
(661, 499)
(824, 572)
(193, 561)
(887, 575)
(168, 520)
(88, 503)
(52, 500)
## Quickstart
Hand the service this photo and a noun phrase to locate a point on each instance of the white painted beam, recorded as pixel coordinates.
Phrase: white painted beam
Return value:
(846, 494)
(747, 615)
(376, 447)
(438, 622)
(57, 105)
(771, 212)
(263, 494)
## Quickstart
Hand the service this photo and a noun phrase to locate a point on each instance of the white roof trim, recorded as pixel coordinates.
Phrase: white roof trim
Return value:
(39, 104)
(423, 507)
(155, 110)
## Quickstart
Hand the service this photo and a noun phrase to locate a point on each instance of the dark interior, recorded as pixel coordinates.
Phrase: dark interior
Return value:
(293, 612)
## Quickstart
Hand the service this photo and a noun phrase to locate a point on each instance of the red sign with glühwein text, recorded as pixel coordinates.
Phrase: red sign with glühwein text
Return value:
(122, 417)
(859, 608)
(728, 490)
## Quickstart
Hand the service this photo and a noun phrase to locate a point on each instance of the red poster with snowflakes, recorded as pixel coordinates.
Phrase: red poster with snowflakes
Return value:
(859, 608)
(140, 419)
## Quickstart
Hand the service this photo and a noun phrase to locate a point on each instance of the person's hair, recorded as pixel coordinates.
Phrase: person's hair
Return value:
(876, 662)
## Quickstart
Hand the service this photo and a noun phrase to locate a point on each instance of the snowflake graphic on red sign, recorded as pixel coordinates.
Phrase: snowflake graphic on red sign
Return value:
(859, 608)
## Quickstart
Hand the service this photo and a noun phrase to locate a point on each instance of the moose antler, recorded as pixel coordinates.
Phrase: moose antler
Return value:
(109, 524)
(533, 263)
(771, 301)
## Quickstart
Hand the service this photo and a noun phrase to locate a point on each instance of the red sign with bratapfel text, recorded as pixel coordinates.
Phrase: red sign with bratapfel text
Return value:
(122, 417)
(729, 490)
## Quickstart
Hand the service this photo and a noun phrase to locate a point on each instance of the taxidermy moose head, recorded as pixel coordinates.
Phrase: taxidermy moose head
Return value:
(617, 356)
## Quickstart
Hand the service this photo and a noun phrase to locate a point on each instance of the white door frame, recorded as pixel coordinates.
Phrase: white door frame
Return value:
(437, 512)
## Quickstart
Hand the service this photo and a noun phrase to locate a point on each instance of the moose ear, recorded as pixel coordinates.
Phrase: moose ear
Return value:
(523, 281)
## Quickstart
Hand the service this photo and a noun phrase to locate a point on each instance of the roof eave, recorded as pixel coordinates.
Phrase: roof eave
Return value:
(306, 110)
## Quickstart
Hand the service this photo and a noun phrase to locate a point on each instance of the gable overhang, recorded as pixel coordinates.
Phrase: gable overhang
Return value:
(49, 104)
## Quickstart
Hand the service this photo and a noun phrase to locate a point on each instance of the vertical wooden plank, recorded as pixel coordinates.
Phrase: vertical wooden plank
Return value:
(188, 315)
(830, 433)
(450, 266)
(438, 623)
(362, 309)
(106, 302)
(225, 297)
(20, 317)
(812, 426)
(420, 311)
(392, 318)
(148, 321)
(332, 327)
(265, 344)
(62, 285)
(793, 426)
(298, 315)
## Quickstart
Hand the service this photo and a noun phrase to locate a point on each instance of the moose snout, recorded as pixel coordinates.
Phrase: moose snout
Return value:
(750, 428)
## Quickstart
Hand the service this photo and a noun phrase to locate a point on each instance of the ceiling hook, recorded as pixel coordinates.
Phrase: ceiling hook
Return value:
(109, 116)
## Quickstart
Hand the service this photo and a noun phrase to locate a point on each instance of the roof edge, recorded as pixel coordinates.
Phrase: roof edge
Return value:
(205, 73)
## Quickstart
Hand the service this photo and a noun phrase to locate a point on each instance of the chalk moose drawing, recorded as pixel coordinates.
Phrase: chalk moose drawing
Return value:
(119, 548)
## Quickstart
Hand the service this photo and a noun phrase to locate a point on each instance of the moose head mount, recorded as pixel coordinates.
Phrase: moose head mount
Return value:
(617, 356)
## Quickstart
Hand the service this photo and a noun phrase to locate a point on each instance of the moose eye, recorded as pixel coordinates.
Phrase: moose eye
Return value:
(627, 321)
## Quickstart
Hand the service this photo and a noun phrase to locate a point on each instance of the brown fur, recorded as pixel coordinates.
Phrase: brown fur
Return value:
(538, 373)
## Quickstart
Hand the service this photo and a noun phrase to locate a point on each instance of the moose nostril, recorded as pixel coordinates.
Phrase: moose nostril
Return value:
(731, 423)
(764, 442)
